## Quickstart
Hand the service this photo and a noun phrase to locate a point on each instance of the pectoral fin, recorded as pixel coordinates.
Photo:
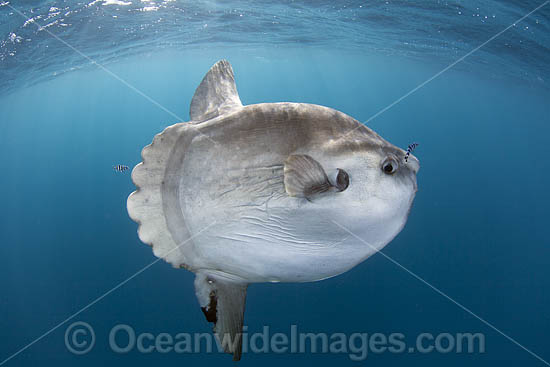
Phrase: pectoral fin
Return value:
(222, 301)
(304, 176)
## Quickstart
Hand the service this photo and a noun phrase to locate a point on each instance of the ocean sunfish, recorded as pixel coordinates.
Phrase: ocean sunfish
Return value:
(271, 192)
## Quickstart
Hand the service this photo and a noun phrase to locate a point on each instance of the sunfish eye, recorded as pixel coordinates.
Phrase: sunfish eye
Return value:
(342, 180)
(390, 165)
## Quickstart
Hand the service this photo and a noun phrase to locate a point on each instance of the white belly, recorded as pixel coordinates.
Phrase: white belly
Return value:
(277, 245)
(261, 234)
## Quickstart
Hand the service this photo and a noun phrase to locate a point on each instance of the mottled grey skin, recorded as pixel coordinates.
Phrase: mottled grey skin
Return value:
(238, 183)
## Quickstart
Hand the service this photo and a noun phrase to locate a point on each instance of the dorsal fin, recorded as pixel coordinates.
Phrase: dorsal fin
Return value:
(217, 93)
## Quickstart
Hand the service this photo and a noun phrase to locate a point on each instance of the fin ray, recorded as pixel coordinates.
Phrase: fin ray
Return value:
(304, 176)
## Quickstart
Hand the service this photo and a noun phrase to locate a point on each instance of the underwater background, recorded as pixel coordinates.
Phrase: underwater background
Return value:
(86, 85)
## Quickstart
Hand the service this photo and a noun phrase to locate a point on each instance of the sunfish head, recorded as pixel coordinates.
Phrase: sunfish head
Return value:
(376, 203)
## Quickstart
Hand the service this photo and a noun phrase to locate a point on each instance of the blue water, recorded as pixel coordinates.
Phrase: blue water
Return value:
(477, 231)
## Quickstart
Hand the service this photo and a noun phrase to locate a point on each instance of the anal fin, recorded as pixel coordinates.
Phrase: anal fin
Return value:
(222, 302)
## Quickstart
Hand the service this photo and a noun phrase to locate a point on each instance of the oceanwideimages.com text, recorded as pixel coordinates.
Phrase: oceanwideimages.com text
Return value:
(80, 338)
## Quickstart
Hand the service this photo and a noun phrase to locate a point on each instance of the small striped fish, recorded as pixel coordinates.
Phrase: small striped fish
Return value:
(120, 168)
(410, 148)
